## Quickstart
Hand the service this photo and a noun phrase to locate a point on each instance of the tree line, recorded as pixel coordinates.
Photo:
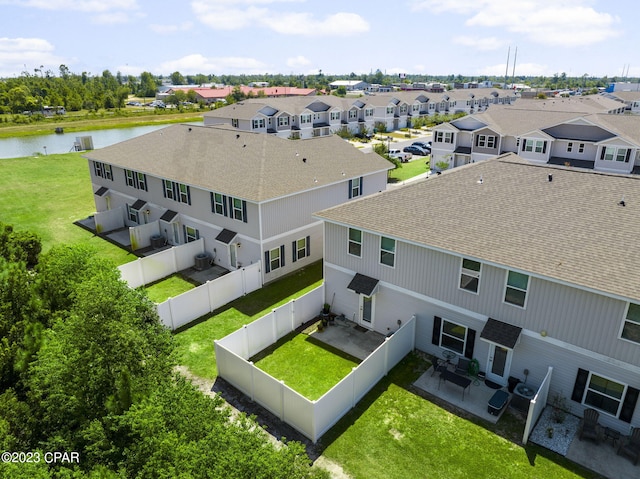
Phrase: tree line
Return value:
(87, 368)
(30, 92)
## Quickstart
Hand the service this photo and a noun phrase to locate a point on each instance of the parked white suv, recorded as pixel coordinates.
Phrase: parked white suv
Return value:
(401, 155)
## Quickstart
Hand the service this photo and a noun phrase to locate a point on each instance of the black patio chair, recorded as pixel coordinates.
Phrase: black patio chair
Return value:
(589, 427)
(462, 368)
(630, 446)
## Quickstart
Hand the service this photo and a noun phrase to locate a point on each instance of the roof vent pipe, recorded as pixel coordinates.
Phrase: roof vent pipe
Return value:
(550, 178)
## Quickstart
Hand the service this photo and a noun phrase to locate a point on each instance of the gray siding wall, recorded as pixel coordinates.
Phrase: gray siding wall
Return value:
(578, 317)
(314, 232)
(559, 148)
(295, 211)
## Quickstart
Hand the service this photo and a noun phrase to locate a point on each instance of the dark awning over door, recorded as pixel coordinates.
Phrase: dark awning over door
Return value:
(362, 284)
(501, 333)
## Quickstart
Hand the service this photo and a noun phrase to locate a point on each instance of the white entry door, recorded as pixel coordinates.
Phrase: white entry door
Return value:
(366, 311)
(233, 255)
(498, 364)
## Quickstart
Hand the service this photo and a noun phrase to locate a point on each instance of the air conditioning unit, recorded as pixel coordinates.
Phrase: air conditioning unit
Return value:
(157, 241)
(202, 261)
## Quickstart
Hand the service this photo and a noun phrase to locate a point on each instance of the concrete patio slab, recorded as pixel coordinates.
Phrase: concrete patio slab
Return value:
(476, 398)
(602, 458)
(343, 335)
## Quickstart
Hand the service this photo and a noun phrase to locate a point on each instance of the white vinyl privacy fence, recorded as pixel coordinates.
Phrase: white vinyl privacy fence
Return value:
(160, 265)
(537, 405)
(311, 418)
(181, 310)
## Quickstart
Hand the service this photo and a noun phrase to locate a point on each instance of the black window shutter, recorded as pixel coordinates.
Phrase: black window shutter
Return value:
(544, 147)
(580, 385)
(602, 153)
(629, 404)
(293, 251)
(627, 156)
(224, 206)
(188, 195)
(308, 246)
(471, 342)
(244, 211)
(176, 191)
(184, 232)
(477, 139)
(267, 263)
(197, 234)
(350, 188)
(164, 188)
(524, 142)
(146, 188)
(435, 338)
(230, 207)
(213, 202)
(361, 186)
(281, 255)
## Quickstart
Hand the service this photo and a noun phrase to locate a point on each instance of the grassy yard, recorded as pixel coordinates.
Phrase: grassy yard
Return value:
(409, 170)
(46, 194)
(305, 364)
(195, 343)
(169, 287)
(395, 433)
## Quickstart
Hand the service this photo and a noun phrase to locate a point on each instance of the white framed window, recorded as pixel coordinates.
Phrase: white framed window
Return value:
(453, 336)
(354, 246)
(631, 324)
(234, 122)
(537, 146)
(470, 275)
(184, 193)
(355, 185)
(191, 234)
(569, 147)
(387, 251)
(581, 148)
(168, 189)
(353, 114)
(136, 180)
(403, 109)
(301, 248)
(444, 137)
(102, 170)
(217, 203)
(258, 123)
(130, 178)
(604, 394)
(275, 258)
(335, 115)
(305, 118)
(141, 181)
(134, 215)
(238, 210)
(486, 141)
(516, 288)
(368, 112)
(390, 110)
(283, 120)
(415, 107)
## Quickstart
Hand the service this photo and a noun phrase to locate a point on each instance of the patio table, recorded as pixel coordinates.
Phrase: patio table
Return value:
(450, 376)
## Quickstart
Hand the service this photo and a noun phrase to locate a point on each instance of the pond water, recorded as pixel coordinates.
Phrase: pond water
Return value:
(64, 142)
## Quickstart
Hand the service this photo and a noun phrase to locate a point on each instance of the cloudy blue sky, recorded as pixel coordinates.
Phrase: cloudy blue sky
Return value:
(435, 37)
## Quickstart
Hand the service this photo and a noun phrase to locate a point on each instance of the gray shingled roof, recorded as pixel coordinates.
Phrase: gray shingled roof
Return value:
(252, 166)
(571, 229)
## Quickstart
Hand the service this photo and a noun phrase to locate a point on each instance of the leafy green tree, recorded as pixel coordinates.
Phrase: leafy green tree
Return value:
(148, 85)
(177, 79)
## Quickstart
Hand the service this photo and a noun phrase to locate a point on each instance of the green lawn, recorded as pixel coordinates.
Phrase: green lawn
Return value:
(395, 433)
(195, 343)
(46, 194)
(409, 170)
(169, 287)
(305, 364)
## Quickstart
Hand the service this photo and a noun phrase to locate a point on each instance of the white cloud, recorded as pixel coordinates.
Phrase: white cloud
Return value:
(482, 44)
(75, 5)
(226, 15)
(548, 22)
(25, 54)
(197, 63)
(298, 62)
(170, 29)
(113, 18)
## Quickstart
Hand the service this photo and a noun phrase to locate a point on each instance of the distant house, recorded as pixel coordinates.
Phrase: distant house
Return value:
(249, 196)
(631, 100)
(555, 134)
(520, 266)
(350, 85)
(213, 95)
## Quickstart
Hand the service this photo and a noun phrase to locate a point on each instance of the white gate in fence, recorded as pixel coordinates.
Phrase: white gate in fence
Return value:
(311, 418)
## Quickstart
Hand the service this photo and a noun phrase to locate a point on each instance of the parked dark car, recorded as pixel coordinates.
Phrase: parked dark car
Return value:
(415, 150)
(424, 145)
